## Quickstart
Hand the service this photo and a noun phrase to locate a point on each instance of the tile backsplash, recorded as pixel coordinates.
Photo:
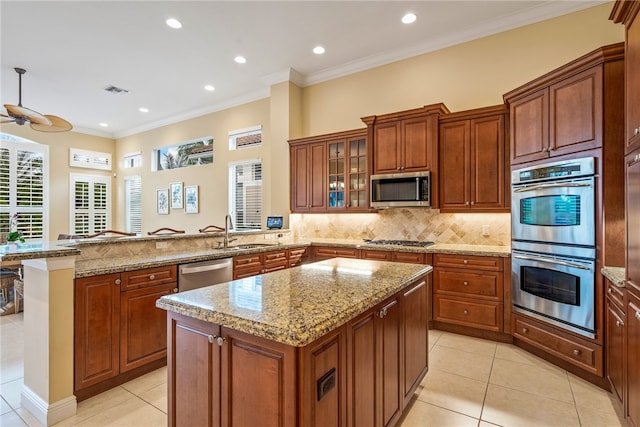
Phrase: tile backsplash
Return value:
(406, 224)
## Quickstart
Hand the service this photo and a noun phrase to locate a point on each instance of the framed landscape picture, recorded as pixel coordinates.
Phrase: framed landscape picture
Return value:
(191, 199)
(162, 200)
(176, 195)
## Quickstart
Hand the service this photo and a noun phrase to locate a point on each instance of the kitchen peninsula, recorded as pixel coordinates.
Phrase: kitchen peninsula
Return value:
(312, 345)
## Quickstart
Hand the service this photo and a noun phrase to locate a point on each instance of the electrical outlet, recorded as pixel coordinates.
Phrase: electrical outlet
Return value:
(485, 230)
(162, 245)
(268, 236)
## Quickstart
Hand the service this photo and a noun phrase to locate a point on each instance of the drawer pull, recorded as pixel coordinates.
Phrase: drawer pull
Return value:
(466, 312)
(465, 283)
(576, 352)
(638, 315)
(152, 277)
(610, 290)
(525, 330)
(636, 131)
(619, 323)
(117, 281)
(466, 262)
(175, 290)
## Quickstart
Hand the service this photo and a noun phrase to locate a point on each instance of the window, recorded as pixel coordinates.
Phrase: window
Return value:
(133, 160)
(90, 203)
(244, 138)
(245, 193)
(190, 153)
(24, 186)
(89, 159)
(133, 204)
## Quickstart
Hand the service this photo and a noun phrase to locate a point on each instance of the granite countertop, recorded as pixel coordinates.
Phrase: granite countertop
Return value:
(298, 305)
(34, 250)
(615, 274)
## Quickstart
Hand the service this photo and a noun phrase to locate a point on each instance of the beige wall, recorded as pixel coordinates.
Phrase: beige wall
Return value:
(59, 145)
(213, 179)
(469, 75)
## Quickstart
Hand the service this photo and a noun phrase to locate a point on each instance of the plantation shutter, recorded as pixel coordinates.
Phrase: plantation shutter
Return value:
(133, 204)
(90, 204)
(246, 194)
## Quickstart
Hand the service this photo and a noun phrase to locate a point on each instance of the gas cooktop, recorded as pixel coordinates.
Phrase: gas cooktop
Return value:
(398, 242)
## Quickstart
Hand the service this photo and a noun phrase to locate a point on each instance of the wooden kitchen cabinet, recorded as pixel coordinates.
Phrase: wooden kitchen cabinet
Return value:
(118, 328)
(474, 169)
(96, 329)
(627, 12)
(378, 255)
(259, 263)
(330, 173)
(632, 195)
(615, 340)
(308, 177)
(469, 291)
(406, 141)
(633, 359)
(562, 112)
(297, 256)
(326, 252)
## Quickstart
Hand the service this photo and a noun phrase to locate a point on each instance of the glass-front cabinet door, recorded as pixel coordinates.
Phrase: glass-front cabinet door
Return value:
(347, 177)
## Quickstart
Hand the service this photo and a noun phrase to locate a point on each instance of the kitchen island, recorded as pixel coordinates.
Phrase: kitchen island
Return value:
(339, 342)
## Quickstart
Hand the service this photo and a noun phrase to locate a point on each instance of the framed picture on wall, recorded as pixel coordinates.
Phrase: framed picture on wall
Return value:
(176, 195)
(162, 201)
(191, 199)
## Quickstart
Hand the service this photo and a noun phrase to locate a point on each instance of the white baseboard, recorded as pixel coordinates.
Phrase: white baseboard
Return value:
(48, 414)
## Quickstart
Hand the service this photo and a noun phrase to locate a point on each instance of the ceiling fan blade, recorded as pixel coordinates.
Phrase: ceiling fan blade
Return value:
(20, 112)
(58, 124)
(6, 119)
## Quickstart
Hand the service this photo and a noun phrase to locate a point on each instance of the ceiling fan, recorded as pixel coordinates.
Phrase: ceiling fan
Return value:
(20, 115)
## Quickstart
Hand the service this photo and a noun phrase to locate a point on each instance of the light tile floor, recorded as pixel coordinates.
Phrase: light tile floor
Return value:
(471, 382)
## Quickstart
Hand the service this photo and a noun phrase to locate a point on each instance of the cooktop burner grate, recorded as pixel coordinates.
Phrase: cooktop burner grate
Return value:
(399, 242)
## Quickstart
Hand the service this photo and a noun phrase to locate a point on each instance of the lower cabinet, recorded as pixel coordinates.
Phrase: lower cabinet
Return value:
(469, 291)
(633, 359)
(363, 373)
(615, 340)
(259, 263)
(326, 252)
(408, 257)
(117, 327)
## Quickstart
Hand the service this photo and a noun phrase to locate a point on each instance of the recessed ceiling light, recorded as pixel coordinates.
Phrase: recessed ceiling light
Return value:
(144, 110)
(318, 50)
(409, 18)
(174, 23)
(104, 125)
(210, 88)
(240, 59)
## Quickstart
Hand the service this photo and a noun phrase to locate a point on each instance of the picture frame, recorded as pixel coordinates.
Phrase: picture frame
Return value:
(191, 199)
(176, 193)
(162, 201)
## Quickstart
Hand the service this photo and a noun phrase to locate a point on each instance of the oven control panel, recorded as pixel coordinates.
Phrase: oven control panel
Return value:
(564, 169)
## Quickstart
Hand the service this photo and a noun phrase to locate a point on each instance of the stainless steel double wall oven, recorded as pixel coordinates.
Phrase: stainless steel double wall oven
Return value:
(553, 243)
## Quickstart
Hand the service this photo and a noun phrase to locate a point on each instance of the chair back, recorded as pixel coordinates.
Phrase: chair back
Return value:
(165, 231)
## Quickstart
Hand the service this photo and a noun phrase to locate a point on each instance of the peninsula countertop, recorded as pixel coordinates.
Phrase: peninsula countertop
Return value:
(300, 304)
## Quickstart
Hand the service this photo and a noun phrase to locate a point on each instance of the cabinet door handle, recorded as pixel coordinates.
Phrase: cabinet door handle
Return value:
(382, 313)
(638, 315)
(117, 281)
(636, 159)
(636, 131)
(466, 312)
(216, 339)
(619, 323)
(466, 203)
(473, 203)
(152, 277)
(610, 290)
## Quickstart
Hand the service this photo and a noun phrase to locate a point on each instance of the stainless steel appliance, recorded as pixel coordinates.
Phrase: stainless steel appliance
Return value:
(204, 273)
(555, 203)
(396, 190)
(553, 243)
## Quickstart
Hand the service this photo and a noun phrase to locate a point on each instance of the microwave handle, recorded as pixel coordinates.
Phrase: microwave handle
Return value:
(551, 261)
(553, 185)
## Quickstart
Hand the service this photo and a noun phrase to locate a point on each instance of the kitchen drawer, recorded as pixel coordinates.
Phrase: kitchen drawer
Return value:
(275, 256)
(148, 277)
(572, 349)
(331, 252)
(376, 255)
(468, 261)
(615, 294)
(243, 272)
(477, 284)
(466, 312)
(280, 264)
(247, 261)
(296, 256)
(408, 257)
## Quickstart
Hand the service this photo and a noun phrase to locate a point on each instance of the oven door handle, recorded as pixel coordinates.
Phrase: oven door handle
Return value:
(553, 185)
(551, 261)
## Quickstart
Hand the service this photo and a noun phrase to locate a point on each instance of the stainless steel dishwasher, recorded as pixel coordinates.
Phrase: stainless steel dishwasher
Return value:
(205, 273)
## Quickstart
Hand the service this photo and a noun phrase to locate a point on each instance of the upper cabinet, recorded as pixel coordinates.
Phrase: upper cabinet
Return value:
(329, 173)
(627, 13)
(473, 161)
(564, 111)
(406, 141)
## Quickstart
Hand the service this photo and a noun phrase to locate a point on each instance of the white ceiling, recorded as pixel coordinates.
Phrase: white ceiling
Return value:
(73, 49)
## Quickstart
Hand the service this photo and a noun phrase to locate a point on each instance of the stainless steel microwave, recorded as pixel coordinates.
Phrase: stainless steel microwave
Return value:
(396, 190)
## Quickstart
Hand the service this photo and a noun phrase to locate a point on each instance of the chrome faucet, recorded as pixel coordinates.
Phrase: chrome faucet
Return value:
(228, 223)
